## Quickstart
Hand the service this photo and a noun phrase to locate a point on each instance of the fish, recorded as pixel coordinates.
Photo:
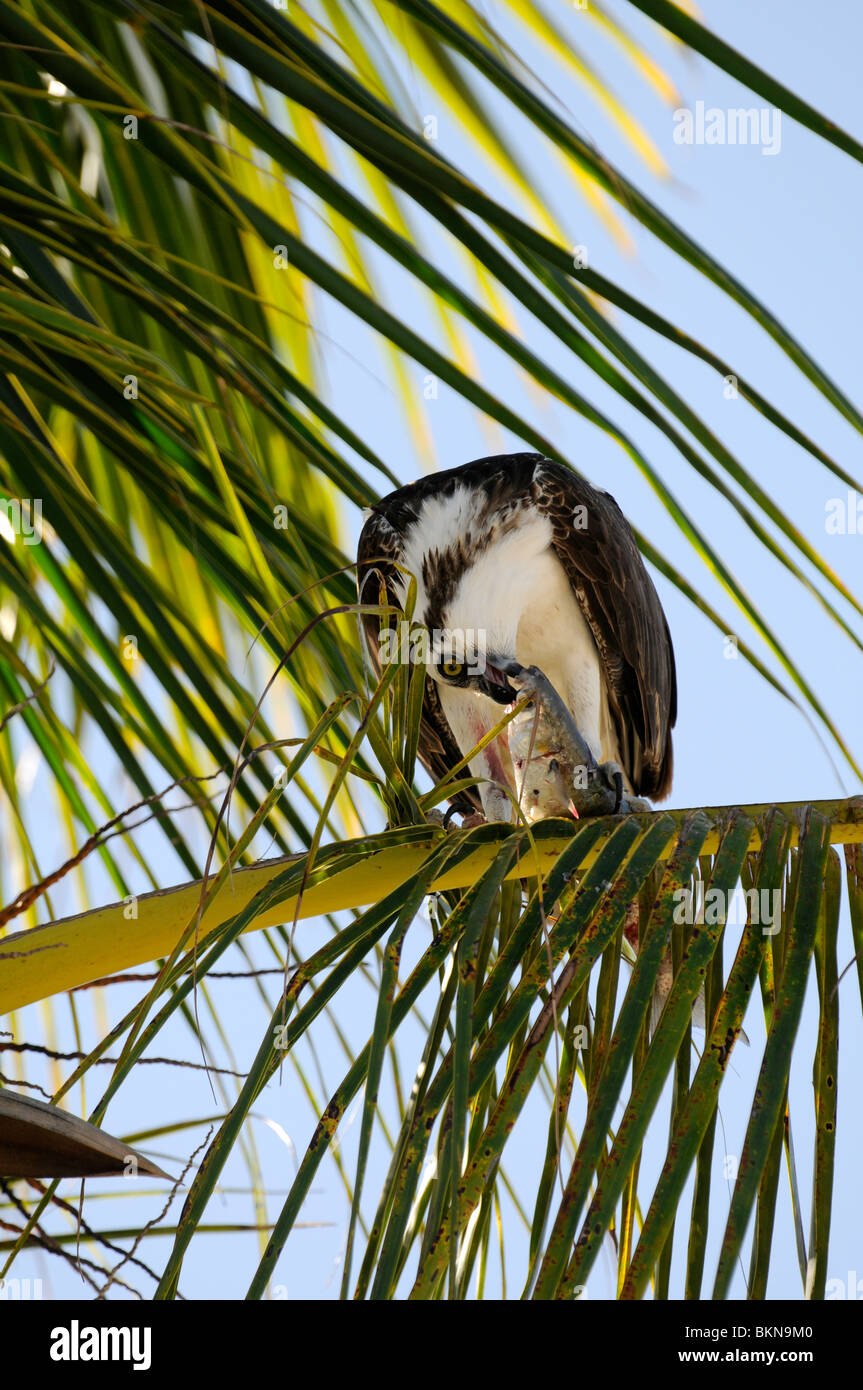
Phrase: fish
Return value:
(554, 770)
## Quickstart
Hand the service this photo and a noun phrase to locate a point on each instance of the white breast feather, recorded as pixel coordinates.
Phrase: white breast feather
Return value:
(518, 594)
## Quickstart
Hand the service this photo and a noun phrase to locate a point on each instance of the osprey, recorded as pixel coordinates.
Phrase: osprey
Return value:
(519, 562)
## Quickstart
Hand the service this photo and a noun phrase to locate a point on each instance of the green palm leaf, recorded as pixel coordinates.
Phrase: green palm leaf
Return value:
(181, 190)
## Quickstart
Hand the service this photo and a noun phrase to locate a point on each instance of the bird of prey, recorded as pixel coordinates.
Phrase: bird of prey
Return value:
(529, 579)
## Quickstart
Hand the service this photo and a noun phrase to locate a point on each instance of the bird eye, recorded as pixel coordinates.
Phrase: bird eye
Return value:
(451, 669)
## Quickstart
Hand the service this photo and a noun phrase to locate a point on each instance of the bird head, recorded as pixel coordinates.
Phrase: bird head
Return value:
(456, 662)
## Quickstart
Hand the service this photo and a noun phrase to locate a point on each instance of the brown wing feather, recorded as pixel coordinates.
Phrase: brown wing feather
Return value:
(622, 608)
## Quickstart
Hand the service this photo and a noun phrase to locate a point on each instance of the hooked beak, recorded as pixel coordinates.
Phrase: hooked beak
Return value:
(493, 681)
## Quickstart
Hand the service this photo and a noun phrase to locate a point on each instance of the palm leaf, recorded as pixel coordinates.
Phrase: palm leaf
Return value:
(180, 191)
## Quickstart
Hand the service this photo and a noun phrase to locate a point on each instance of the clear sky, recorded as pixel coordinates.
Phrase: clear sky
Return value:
(787, 226)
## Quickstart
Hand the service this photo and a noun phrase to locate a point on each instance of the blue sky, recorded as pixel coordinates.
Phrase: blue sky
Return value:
(788, 227)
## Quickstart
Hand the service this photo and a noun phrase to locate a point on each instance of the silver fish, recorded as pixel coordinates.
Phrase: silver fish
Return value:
(555, 772)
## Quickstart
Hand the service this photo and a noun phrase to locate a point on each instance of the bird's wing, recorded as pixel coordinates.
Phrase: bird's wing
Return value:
(597, 549)
(378, 556)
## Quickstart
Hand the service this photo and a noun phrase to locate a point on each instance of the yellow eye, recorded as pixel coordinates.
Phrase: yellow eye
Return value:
(451, 669)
